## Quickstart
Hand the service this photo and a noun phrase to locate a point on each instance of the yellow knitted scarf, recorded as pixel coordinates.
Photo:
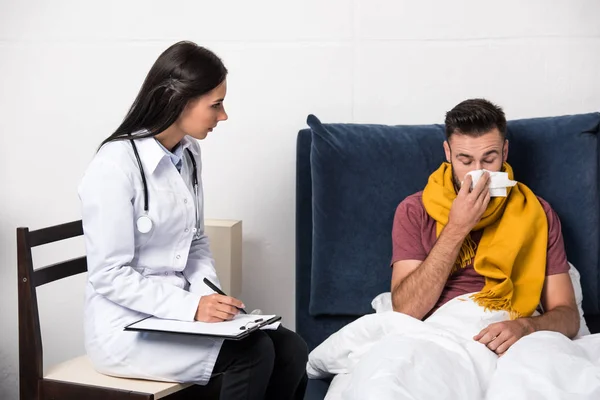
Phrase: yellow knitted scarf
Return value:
(512, 251)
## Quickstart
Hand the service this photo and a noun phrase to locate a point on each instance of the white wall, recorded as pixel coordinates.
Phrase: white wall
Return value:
(69, 70)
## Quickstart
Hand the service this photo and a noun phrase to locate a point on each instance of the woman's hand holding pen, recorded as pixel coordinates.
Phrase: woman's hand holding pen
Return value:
(217, 308)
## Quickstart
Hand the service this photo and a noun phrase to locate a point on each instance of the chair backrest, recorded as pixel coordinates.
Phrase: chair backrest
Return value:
(30, 338)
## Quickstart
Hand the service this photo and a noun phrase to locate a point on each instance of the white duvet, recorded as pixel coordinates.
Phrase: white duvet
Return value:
(390, 355)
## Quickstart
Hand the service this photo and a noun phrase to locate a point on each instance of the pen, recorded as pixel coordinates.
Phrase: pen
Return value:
(216, 289)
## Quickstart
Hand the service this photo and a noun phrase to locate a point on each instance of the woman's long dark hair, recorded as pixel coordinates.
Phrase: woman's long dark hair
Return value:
(181, 73)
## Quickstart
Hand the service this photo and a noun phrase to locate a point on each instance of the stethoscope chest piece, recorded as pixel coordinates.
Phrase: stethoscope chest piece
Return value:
(144, 224)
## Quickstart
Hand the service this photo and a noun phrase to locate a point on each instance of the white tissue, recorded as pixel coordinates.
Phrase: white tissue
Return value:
(498, 184)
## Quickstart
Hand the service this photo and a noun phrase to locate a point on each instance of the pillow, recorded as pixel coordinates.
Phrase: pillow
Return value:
(383, 302)
(360, 173)
(557, 158)
(575, 278)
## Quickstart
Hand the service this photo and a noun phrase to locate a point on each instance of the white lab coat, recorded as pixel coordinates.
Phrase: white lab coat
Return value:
(132, 274)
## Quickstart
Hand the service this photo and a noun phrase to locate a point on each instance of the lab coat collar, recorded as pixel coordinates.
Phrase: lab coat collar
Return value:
(151, 154)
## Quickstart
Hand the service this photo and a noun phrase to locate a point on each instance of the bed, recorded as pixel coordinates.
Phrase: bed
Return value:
(351, 177)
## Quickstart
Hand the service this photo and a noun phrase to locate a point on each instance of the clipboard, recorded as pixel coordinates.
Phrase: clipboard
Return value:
(241, 326)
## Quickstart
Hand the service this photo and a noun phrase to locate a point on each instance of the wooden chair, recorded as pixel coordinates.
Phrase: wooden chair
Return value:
(75, 378)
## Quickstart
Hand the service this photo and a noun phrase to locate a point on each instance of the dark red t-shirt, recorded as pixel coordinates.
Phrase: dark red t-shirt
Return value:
(414, 234)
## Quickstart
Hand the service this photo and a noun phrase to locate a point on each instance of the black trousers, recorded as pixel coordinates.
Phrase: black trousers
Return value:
(268, 364)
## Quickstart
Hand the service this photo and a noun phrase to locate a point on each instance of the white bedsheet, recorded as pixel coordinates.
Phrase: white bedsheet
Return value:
(393, 356)
(337, 386)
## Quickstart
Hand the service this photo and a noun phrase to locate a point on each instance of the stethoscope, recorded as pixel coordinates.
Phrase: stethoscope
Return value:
(144, 223)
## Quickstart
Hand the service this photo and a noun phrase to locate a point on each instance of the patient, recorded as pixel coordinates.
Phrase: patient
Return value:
(452, 239)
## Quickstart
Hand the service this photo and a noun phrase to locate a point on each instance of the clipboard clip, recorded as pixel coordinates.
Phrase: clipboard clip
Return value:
(245, 326)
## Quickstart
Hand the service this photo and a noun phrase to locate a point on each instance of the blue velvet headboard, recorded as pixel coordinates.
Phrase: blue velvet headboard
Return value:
(351, 177)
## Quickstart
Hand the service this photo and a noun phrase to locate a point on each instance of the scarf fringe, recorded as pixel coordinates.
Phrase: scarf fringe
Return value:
(490, 301)
(466, 255)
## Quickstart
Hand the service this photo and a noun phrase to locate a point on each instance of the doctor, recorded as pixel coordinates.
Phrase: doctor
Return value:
(142, 207)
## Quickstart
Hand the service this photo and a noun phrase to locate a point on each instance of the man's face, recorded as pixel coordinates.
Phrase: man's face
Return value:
(467, 153)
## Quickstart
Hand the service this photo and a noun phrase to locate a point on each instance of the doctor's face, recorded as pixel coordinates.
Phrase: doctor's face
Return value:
(467, 153)
(202, 115)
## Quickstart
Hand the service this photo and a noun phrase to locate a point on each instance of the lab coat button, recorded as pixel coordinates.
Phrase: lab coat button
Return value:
(178, 256)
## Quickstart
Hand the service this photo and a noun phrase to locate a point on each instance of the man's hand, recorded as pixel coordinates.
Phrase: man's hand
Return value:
(469, 206)
(499, 336)
(217, 308)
